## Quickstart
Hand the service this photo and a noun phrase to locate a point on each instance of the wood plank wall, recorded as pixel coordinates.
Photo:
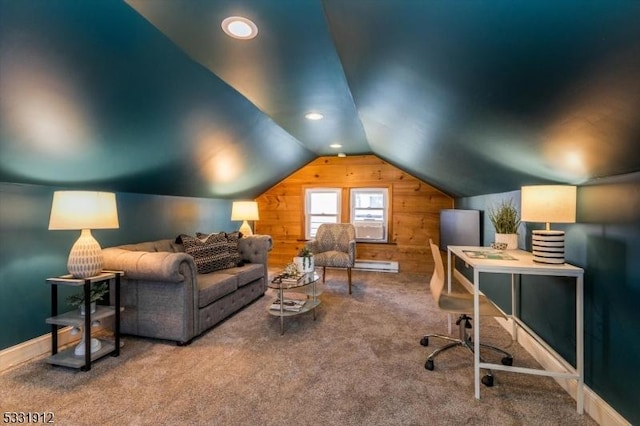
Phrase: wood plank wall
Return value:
(415, 210)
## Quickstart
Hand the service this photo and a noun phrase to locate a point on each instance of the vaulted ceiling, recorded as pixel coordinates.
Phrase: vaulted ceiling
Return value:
(472, 96)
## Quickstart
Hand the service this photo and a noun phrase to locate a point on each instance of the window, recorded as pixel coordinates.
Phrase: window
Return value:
(322, 205)
(369, 213)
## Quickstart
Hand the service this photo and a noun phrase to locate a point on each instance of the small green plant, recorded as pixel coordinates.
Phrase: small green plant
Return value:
(97, 291)
(305, 253)
(505, 218)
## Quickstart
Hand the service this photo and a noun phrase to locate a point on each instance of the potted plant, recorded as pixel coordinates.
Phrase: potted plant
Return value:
(96, 293)
(304, 260)
(505, 221)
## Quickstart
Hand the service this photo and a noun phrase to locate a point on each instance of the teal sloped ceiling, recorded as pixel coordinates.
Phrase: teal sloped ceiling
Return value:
(94, 96)
(290, 69)
(485, 96)
(472, 96)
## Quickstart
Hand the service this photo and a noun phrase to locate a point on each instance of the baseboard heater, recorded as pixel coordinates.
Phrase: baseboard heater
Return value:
(376, 265)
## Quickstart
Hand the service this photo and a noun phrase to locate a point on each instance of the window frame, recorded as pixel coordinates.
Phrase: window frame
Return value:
(308, 216)
(386, 210)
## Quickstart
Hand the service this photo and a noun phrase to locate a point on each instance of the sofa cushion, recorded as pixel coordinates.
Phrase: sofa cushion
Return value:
(210, 254)
(212, 287)
(247, 274)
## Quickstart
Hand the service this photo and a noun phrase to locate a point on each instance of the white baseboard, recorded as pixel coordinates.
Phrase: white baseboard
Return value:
(376, 265)
(594, 405)
(37, 347)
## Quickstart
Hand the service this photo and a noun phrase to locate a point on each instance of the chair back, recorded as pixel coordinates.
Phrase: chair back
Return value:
(437, 279)
(335, 236)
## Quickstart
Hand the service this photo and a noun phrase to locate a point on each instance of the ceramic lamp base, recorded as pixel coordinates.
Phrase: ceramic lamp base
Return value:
(548, 246)
(85, 258)
(245, 229)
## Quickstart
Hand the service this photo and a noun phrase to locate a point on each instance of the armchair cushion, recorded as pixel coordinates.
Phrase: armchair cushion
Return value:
(333, 258)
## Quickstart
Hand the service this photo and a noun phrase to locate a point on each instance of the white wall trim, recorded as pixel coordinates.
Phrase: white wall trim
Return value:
(37, 347)
(376, 265)
(594, 405)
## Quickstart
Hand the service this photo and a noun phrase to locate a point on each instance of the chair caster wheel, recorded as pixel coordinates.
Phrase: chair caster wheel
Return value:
(507, 360)
(429, 365)
(424, 341)
(487, 380)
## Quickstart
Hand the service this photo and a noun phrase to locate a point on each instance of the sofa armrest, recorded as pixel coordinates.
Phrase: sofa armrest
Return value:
(159, 293)
(151, 266)
(255, 248)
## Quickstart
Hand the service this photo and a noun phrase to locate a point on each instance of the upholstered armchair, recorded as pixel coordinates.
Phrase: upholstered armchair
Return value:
(335, 247)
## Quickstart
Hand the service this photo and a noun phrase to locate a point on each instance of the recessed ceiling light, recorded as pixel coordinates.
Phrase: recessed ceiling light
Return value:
(314, 116)
(239, 27)
(335, 145)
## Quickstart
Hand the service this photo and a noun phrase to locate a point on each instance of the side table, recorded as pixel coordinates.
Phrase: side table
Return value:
(73, 318)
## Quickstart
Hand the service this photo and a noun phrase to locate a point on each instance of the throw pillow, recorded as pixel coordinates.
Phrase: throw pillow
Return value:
(232, 246)
(210, 254)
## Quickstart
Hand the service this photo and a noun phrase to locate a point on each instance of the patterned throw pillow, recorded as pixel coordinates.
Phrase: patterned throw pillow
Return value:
(232, 246)
(210, 254)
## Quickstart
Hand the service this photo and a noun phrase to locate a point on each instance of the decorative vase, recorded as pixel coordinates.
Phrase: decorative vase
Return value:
(511, 240)
(304, 264)
(92, 307)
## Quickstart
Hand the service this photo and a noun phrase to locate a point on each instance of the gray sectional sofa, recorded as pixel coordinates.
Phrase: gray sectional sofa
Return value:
(164, 296)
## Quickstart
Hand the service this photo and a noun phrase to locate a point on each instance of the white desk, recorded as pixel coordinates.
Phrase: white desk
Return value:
(523, 265)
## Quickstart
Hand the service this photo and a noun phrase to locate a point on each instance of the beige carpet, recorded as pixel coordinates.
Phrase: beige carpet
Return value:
(359, 363)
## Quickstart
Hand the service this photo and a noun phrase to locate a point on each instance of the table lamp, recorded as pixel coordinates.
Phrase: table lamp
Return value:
(548, 204)
(84, 211)
(245, 210)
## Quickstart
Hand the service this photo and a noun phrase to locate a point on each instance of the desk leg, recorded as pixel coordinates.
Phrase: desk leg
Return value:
(514, 309)
(449, 270)
(580, 343)
(476, 331)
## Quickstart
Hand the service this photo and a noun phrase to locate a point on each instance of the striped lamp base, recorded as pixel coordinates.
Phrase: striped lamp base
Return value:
(548, 246)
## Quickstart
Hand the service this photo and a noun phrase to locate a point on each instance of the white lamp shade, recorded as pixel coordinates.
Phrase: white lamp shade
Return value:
(244, 210)
(83, 210)
(548, 204)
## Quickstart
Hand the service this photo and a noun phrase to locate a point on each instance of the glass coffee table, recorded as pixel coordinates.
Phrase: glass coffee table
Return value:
(305, 285)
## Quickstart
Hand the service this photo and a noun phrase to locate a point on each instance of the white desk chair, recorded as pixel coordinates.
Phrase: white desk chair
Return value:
(462, 304)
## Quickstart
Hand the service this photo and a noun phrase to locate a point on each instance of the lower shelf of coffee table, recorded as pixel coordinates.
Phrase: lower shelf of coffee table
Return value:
(309, 305)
